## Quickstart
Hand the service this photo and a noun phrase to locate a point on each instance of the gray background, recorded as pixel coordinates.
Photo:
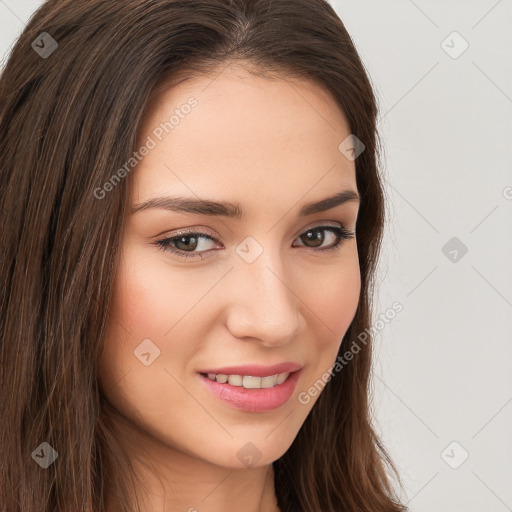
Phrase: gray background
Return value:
(443, 367)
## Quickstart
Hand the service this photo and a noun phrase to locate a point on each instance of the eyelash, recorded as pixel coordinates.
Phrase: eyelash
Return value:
(341, 231)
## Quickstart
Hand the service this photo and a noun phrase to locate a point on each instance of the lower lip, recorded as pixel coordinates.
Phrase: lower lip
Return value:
(253, 400)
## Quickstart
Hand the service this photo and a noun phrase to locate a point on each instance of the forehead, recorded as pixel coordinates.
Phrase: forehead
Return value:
(235, 131)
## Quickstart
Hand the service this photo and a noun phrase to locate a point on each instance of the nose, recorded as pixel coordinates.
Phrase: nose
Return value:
(262, 303)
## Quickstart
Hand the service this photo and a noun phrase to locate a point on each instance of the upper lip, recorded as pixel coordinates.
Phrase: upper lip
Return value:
(255, 370)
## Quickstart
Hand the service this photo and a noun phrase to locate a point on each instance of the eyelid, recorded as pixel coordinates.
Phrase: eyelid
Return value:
(320, 224)
(186, 231)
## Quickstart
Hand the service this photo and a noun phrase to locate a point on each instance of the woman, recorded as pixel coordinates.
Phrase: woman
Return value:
(191, 220)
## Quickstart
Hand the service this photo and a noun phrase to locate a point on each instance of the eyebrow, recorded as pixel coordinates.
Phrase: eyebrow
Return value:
(234, 210)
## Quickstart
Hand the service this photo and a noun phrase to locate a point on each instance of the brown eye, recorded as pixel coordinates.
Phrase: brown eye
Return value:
(183, 243)
(315, 237)
(186, 244)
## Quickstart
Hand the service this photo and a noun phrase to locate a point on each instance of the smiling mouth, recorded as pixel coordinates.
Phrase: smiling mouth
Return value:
(249, 381)
(251, 393)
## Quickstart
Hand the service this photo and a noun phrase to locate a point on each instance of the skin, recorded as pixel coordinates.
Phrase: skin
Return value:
(272, 146)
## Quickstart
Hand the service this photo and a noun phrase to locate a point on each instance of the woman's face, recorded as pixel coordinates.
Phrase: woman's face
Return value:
(261, 289)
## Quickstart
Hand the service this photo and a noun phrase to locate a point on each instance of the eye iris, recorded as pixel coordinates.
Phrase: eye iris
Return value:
(186, 246)
(317, 239)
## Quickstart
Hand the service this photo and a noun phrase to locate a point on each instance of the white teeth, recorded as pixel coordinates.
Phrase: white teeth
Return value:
(248, 381)
(235, 380)
(282, 377)
(251, 382)
(268, 382)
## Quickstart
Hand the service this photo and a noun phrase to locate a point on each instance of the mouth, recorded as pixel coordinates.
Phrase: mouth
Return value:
(252, 393)
(248, 381)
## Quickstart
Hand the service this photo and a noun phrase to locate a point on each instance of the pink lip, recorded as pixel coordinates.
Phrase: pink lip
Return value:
(253, 400)
(255, 370)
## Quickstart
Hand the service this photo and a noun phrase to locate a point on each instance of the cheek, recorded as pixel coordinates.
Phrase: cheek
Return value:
(139, 311)
(332, 309)
(151, 298)
(335, 297)
(145, 307)
(339, 301)
(151, 301)
(140, 294)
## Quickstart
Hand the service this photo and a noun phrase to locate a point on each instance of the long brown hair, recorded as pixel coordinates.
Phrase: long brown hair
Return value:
(72, 95)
